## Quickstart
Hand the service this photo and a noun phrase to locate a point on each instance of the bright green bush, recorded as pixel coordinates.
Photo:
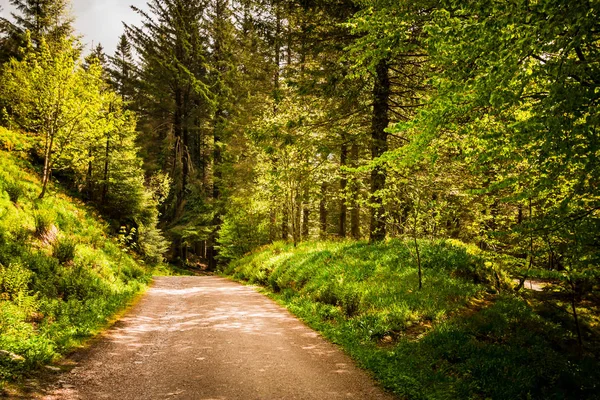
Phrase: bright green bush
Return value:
(43, 222)
(14, 281)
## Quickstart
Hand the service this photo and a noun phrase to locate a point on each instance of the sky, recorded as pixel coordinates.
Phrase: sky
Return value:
(98, 21)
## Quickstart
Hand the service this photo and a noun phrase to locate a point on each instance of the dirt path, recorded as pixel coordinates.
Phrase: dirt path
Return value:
(208, 338)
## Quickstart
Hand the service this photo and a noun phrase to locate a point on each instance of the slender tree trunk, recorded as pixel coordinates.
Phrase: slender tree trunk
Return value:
(178, 150)
(576, 319)
(285, 220)
(272, 223)
(185, 155)
(297, 216)
(355, 213)
(381, 95)
(323, 211)
(305, 214)
(105, 177)
(417, 250)
(88, 177)
(219, 119)
(47, 163)
(343, 185)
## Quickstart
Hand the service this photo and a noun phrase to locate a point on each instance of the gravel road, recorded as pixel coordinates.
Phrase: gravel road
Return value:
(209, 338)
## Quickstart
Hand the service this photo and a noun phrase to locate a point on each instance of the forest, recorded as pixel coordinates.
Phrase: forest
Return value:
(458, 139)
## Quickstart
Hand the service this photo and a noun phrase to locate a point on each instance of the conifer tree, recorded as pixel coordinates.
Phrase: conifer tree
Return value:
(173, 83)
(44, 19)
(122, 70)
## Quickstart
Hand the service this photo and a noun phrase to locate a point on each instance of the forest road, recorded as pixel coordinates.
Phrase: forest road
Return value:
(209, 338)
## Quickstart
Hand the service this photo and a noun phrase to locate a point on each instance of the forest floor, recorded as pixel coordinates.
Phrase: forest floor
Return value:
(205, 337)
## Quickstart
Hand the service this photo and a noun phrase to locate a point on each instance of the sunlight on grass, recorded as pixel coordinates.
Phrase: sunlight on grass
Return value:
(61, 276)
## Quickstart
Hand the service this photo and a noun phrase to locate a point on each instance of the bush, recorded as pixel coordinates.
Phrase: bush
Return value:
(14, 190)
(64, 250)
(444, 256)
(43, 223)
(152, 244)
(14, 281)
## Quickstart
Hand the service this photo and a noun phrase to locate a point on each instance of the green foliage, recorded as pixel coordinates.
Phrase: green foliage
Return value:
(64, 250)
(14, 190)
(375, 286)
(83, 133)
(14, 281)
(244, 228)
(44, 221)
(55, 294)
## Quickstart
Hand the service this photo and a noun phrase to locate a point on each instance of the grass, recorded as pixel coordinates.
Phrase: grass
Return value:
(62, 276)
(463, 336)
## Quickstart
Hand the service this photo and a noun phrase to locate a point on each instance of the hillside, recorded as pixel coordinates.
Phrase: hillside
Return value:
(466, 334)
(61, 275)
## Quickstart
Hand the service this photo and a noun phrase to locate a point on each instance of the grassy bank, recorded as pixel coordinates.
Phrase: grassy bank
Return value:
(61, 275)
(463, 336)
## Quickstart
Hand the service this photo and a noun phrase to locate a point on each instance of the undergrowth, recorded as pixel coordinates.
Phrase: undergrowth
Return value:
(463, 336)
(61, 276)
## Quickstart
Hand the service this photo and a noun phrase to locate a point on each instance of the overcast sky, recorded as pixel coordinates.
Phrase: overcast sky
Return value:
(99, 21)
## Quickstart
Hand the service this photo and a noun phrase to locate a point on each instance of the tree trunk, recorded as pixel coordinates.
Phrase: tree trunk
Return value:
(355, 213)
(47, 163)
(105, 176)
(88, 177)
(296, 217)
(305, 214)
(323, 211)
(343, 185)
(380, 121)
(285, 221)
(178, 157)
(219, 119)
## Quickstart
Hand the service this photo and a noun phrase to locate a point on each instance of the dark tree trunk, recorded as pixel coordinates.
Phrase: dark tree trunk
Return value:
(212, 252)
(88, 177)
(305, 214)
(285, 222)
(355, 213)
(380, 121)
(219, 119)
(178, 157)
(105, 175)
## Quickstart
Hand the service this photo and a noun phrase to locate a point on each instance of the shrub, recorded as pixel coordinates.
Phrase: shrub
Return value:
(152, 244)
(14, 190)
(64, 250)
(14, 281)
(43, 223)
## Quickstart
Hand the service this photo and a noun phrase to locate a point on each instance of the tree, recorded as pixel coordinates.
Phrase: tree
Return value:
(524, 100)
(389, 52)
(173, 83)
(45, 20)
(52, 96)
(122, 70)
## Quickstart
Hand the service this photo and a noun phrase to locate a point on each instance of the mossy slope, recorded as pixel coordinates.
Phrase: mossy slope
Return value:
(61, 275)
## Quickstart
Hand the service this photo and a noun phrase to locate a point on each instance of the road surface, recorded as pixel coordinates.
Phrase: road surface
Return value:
(209, 338)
